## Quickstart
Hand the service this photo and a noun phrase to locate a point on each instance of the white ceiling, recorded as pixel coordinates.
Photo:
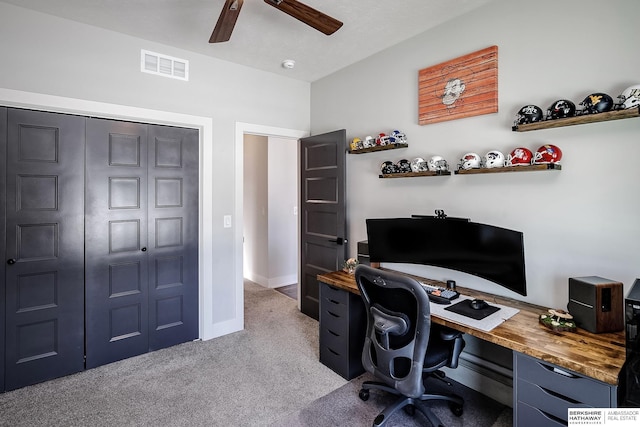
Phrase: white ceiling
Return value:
(264, 36)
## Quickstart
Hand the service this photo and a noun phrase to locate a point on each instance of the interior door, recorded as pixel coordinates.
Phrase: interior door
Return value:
(323, 212)
(117, 308)
(173, 235)
(3, 196)
(44, 330)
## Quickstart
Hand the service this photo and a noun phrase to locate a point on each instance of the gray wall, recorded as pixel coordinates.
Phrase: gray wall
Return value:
(580, 221)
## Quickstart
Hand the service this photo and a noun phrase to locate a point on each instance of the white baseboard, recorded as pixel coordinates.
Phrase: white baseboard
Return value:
(274, 282)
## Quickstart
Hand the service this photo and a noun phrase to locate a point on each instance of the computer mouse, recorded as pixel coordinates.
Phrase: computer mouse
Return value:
(478, 304)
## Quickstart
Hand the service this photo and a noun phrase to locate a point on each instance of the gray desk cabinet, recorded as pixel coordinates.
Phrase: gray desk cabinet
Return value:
(343, 323)
(543, 392)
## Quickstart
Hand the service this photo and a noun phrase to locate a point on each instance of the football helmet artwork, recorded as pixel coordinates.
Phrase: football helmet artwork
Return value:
(629, 98)
(528, 114)
(369, 142)
(520, 156)
(356, 144)
(547, 154)
(597, 103)
(388, 167)
(494, 159)
(438, 164)
(560, 109)
(400, 137)
(403, 166)
(470, 161)
(419, 165)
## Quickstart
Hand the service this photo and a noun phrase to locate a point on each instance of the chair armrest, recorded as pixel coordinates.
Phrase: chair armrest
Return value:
(448, 334)
(457, 344)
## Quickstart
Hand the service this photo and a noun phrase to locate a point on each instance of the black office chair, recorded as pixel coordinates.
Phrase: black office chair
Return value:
(402, 348)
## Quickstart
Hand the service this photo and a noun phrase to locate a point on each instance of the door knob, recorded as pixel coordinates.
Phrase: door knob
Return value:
(144, 249)
(11, 261)
(339, 240)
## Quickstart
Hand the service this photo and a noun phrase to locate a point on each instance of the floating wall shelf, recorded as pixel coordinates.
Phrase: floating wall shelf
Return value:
(527, 168)
(579, 120)
(413, 174)
(378, 148)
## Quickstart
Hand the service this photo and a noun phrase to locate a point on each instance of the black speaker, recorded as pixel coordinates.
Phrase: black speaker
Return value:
(596, 304)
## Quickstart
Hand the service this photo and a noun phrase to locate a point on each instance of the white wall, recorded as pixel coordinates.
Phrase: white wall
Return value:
(283, 224)
(256, 204)
(580, 221)
(96, 70)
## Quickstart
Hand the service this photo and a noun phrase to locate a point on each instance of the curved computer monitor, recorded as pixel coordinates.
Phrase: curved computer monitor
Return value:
(493, 253)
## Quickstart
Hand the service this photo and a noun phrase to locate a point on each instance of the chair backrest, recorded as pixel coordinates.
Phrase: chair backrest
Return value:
(398, 326)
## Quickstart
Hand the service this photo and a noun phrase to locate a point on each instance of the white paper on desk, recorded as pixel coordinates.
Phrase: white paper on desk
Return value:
(486, 324)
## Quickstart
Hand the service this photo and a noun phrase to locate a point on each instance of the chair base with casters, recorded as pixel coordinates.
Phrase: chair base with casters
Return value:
(402, 347)
(409, 404)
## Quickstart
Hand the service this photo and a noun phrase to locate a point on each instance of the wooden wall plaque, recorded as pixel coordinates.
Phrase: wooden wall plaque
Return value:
(462, 87)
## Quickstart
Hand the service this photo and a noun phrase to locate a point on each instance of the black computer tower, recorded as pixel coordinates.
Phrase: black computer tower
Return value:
(630, 375)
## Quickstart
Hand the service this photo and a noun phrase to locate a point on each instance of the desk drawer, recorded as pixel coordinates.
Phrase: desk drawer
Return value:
(334, 299)
(530, 416)
(563, 382)
(329, 319)
(553, 403)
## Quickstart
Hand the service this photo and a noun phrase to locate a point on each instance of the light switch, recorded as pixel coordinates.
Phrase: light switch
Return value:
(227, 221)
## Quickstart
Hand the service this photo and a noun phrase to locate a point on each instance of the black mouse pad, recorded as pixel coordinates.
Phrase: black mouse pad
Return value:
(464, 308)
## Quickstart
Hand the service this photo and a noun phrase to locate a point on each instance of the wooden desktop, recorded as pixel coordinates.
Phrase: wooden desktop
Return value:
(543, 387)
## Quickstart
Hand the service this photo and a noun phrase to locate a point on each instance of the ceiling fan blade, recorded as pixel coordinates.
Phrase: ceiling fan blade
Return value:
(318, 20)
(226, 21)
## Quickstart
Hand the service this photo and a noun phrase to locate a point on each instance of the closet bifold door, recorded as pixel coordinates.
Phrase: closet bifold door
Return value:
(116, 241)
(173, 235)
(3, 258)
(43, 256)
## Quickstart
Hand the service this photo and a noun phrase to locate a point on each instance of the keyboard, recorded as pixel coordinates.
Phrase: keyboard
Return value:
(439, 294)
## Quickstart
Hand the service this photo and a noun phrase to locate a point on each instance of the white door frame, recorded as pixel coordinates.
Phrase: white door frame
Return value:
(38, 101)
(241, 130)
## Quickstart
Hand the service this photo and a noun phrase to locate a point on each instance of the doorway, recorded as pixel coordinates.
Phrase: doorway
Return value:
(270, 211)
(244, 131)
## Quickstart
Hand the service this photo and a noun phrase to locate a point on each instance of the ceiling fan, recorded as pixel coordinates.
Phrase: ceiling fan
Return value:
(310, 16)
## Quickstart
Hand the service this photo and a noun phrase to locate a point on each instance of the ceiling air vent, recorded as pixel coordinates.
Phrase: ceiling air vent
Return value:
(164, 65)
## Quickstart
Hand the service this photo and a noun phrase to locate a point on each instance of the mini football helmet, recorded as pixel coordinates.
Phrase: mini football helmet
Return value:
(470, 161)
(403, 166)
(494, 159)
(384, 139)
(419, 165)
(547, 154)
(369, 142)
(519, 157)
(356, 144)
(597, 103)
(629, 98)
(560, 109)
(400, 137)
(388, 167)
(438, 164)
(528, 114)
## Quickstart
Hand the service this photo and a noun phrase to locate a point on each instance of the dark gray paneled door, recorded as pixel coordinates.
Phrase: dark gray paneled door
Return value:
(44, 271)
(141, 239)
(117, 308)
(3, 196)
(173, 235)
(323, 207)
